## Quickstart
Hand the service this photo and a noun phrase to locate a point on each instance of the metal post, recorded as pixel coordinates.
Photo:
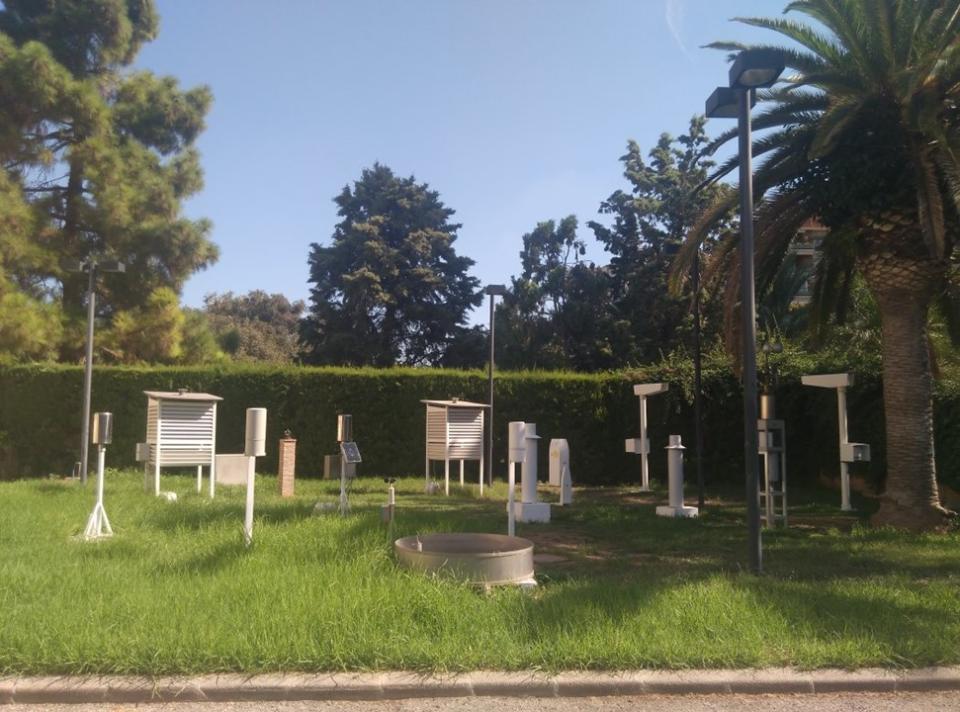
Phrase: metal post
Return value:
(844, 467)
(490, 399)
(697, 405)
(87, 374)
(749, 325)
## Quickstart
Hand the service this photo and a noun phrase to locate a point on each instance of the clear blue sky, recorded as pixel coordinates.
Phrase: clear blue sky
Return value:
(516, 111)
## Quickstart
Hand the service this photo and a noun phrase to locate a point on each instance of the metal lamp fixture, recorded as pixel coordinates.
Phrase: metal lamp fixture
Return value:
(91, 266)
(751, 70)
(756, 69)
(494, 290)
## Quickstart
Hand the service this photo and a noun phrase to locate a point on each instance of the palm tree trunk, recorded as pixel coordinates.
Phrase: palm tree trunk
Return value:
(903, 289)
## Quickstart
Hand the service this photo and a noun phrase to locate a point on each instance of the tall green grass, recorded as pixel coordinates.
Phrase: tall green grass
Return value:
(175, 591)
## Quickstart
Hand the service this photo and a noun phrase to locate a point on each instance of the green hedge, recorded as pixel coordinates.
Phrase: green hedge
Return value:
(40, 416)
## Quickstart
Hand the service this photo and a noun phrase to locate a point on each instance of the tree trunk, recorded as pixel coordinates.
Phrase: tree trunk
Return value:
(903, 285)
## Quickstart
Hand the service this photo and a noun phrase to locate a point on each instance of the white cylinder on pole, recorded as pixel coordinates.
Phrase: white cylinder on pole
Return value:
(256, 433)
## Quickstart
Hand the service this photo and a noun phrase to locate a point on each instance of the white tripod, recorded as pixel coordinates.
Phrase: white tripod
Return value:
(98, 525)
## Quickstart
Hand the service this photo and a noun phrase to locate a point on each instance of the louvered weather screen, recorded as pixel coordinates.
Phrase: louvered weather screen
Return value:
(181, 432)
(454, 432)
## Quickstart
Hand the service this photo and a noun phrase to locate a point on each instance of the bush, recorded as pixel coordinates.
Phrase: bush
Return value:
(40, 415)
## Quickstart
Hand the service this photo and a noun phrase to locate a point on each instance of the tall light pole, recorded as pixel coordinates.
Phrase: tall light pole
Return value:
(752, 69)
(697, 381)
(494, 290)
(92, 268)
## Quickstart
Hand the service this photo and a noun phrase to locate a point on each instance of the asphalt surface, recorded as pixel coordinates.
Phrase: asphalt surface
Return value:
(847, 702)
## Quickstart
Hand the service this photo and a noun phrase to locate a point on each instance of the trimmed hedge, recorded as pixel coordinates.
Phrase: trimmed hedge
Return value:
(40, 416)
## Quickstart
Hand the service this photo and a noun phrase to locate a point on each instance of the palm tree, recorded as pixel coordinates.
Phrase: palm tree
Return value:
(864, 135)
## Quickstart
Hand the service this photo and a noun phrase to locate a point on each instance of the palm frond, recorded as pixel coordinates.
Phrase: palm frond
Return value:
(929, 203)
(832, 125)
(831, 283)
(822, 47)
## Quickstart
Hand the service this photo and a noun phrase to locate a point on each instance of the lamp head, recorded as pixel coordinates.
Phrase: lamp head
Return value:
(498, 290)
(723, 104)
(756, 68)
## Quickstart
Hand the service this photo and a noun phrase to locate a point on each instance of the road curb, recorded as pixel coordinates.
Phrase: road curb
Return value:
(406, 685)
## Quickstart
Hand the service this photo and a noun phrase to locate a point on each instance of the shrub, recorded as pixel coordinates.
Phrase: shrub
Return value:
(40, 415)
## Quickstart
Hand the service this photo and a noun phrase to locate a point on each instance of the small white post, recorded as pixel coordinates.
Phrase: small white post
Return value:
(213, 455)
(566, 486)
(644, 462)
(849, 452)
(675, 482)
(446, 474)
(461, 473)
(511, 517)
(255, 446)
(199, 479)
(641, 445)
(516, 452)
(248, 511)
(344, 501)
(675, 471)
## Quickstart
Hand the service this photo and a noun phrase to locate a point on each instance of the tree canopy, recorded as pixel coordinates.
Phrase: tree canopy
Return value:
(256, 326)
(390, 287)
(97, 160)
(564, 312)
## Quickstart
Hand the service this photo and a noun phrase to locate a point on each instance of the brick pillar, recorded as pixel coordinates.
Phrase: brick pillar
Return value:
(287, 466)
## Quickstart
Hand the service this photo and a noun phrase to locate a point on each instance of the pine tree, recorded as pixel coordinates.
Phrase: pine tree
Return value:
(389, 288)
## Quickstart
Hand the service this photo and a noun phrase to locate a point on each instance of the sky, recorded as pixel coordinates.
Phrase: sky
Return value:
(516, 111)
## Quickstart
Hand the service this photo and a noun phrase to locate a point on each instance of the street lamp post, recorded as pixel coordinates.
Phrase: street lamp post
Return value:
(494, 290)
(91, 267)
(697, 381)
(752, 69)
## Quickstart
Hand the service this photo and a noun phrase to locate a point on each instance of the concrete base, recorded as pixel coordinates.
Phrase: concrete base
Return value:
(682, 512)
(532, 512)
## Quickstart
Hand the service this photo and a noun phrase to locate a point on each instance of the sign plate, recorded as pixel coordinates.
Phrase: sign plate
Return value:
(350, 452)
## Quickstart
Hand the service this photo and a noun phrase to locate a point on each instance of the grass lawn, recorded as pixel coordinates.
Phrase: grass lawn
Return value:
(175, 591)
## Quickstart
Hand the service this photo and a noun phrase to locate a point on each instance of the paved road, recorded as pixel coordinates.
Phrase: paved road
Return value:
(862, 702)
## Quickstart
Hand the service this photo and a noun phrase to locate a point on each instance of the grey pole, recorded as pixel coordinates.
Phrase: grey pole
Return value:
(490, 399)
(749, 326)
(697, 405)
(87, 374)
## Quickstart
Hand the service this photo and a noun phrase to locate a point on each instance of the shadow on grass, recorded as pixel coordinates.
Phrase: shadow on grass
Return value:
(203, 514)
(58, 487)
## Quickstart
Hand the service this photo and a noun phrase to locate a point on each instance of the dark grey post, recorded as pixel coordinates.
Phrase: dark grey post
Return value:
(87, 373)
(749, 326)
(697, 404)
(489, 472)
